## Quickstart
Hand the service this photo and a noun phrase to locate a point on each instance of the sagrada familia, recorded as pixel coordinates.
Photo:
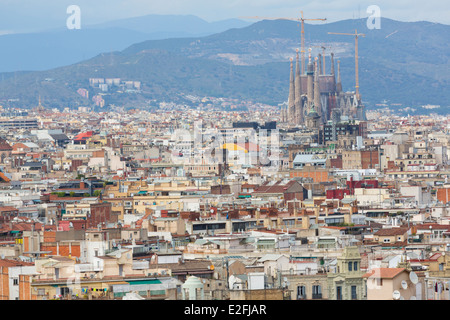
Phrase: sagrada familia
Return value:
(316, 97)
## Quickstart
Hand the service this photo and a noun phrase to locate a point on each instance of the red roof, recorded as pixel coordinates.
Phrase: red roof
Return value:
(14, 263)
(385, 273)
(433, 226)
(8, 208)
(391, 231)
(83, 135)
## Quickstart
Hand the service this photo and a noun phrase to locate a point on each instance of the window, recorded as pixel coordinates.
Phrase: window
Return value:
(338, 293)
(301, 292)
(316, 292)
(354, 295)
(355, 266)
(379, 282)
(350, 266)
(15, 281)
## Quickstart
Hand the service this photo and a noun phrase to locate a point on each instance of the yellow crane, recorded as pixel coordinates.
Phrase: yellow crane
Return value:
(356, 35)
(302, 20)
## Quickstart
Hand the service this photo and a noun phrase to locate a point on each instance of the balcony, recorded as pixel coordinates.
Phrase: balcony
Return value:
(317, 296)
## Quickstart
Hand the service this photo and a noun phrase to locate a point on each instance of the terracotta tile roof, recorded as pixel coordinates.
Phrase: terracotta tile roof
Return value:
(391, 231)
(4, 146)
(8, 208)
(433, 226)
(384, 273)
(14, 263)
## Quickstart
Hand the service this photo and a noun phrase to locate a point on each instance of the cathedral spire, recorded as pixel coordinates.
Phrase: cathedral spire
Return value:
(310, 83)
(320, 64)
(291, 100)
(298, 93)
(338, 83)
(332, 72)
(332, 64)
(317, 102)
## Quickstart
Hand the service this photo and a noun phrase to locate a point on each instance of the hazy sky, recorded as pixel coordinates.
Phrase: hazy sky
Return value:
(35, 15)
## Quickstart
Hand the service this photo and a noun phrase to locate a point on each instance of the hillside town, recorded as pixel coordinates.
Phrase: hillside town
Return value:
(201, 204)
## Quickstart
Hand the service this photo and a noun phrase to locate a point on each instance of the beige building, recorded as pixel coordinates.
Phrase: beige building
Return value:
(172, 225)
(391, 235)
(346, 282)
(383, 282)
(370, 197)
(307, 287)
(351, 159)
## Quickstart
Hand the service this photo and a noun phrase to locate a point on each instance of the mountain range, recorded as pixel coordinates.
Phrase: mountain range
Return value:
(404, 63)
(60, 47)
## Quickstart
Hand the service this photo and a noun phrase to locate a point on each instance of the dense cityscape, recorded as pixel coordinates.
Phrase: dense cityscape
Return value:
(318, 198)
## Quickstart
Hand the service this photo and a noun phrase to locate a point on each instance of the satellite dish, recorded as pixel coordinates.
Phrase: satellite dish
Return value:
(413, 277)
(413, 298)
(396, 295)
(404, 284)
(401, 298)
(3, 256)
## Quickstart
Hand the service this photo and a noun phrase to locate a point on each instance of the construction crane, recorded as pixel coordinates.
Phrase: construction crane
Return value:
(302, 20)
(356, 35)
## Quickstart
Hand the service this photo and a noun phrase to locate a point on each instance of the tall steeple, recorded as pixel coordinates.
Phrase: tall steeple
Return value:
(320, 64)
(338, 82)
(310, 84)
(332, 64)
(317, 103)
(291, 100)
(298, 93)
(332, 71)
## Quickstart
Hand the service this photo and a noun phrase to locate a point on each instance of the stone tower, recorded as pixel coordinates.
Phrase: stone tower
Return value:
(338, 82)
(310, 83)
(298, 94)
(317, 102)
(291, 100)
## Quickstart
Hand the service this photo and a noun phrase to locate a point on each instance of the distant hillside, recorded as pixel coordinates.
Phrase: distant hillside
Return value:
(403, 63)
(173, 25)
(57, 48)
